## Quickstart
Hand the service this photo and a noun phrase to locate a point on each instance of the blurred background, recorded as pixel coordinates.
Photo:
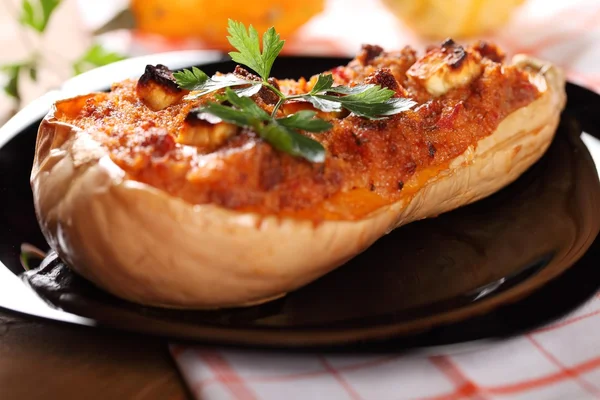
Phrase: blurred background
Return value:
(44, 42)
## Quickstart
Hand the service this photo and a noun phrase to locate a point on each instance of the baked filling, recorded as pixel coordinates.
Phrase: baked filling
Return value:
(462, 95)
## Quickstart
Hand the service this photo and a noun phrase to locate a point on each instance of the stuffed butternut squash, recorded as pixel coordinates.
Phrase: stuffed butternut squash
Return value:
(215, 194)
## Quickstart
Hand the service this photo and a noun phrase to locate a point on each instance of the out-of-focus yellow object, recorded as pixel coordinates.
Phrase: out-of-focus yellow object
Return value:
(207, 19)
(439, 19)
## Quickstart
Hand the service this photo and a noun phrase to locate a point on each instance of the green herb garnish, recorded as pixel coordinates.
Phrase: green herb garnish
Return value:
(368, 101)
(281, 133)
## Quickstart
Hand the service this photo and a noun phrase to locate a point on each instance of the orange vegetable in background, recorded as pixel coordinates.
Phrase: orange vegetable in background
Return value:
(207, 19)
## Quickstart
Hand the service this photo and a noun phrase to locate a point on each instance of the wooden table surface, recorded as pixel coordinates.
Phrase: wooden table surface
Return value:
(50, 360)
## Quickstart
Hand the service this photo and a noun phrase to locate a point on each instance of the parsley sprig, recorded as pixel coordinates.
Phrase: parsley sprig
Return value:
(281, 133)
(369, 101)
(235, 106)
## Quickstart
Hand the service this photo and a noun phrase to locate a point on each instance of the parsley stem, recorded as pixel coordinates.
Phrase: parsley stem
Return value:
(276, 108)
(297, 96)
(282, 97)
(274, 89)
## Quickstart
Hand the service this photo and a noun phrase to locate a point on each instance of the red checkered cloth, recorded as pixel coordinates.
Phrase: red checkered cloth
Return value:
(559, 361)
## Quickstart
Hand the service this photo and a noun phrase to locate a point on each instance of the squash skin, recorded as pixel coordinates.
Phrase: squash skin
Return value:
(141, 244)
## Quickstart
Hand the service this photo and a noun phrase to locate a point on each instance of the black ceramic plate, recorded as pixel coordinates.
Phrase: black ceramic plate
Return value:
(506, 264)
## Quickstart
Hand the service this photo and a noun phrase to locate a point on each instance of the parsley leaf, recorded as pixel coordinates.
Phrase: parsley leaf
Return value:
(95, 56)
(242, 112)
(247, 44)
(369, 94)
(292, 142)
(324, 82)
(229, 114)
(369, 101)
(352, 90)
(272, 46)
(246, 104)
(198, 82)
(36, 13)
(250, 90)
(222, 81)
(323, 104)
(378, 110)
(305, 120)
(190, 79)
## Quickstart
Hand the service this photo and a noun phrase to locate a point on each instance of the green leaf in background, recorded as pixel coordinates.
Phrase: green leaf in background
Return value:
(95, 56)
(12, 72)
(36, 13)
(33, 72)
